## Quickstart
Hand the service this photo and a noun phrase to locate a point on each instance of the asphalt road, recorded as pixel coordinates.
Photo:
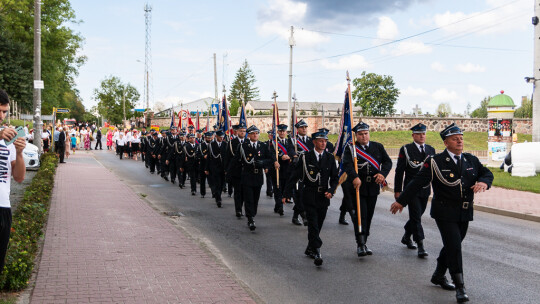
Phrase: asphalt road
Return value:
(501, 254)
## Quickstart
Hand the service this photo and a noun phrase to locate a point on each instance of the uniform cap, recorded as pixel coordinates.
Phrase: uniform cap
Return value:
(220, 133)
(419, 128)
(209, 133)
(253, 129)
(301, 123)
(282, 127)
(452, 129)
(361, 126)
(319, 134)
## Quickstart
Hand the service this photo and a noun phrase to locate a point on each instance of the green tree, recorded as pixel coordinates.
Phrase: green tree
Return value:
(244, 83)
(60, 44)
(376, 94)
(234, 107)
(525, 111)
(444, 110)
(481, 111)
(111, 95)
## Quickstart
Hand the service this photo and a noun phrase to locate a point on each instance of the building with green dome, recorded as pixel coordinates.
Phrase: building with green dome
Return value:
(500, 110)
(501, 106)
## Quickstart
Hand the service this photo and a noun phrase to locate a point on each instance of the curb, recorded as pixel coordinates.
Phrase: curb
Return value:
(522, 216)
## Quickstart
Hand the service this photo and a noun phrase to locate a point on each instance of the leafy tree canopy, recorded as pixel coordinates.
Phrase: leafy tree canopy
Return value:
(481, 111)
(376, 94)
(244, 83)
(111, 95)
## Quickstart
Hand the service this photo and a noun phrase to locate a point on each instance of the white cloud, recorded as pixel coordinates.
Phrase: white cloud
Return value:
(470, 68)
(445, 95)
(487, 22)
(283, 13)
(414, 92)
(387, 28)
(476, 90)
(437, 66)
(411, 48)
(351, 62)
(337, 88)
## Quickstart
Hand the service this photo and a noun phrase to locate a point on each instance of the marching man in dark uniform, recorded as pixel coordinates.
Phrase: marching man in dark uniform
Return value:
(303, 145)
(374, 164)
(215, 169)
(267, 175)
(190, 164)
(234, 170)
(282, 163)
(162, 155)
(411, 158)
(254, 158)
(151, 151)
(319, 173)
(202, 156)
(170, 157)
(455, 177)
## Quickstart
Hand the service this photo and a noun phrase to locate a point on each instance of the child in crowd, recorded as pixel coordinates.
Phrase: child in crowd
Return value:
(73, 142)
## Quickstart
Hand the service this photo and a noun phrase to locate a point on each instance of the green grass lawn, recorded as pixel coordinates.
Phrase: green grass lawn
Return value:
(396, 139)
(506, 180)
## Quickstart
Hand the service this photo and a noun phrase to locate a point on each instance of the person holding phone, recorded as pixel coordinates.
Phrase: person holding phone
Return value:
(11, 164)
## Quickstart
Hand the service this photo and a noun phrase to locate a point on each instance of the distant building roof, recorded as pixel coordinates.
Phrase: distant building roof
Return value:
(257, 105)
(501, 100)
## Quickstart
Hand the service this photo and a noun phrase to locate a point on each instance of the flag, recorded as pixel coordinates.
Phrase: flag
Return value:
(224, 117)
(243, 120)
(207, 122)
(198, 126)
(345, 136)
(275, 120)
(294, 132)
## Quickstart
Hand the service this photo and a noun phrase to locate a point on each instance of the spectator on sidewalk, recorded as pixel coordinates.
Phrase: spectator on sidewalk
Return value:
(55, 138)
(73, 141)
(98, 139)
(61, 147)
(11, 164)
(120, 144)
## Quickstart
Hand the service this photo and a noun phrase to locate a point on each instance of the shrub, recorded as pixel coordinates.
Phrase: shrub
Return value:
(27, 226)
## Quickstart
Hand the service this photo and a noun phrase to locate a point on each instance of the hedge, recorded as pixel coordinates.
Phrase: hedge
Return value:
(27, 228)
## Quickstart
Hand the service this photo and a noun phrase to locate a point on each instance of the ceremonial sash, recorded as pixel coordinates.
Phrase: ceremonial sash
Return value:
(370, 159)
(282, 148)
(302, 145)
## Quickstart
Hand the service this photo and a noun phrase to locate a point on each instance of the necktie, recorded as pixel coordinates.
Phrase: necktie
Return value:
(422, 151)
(364, 147)
(320, 159)
(458, 163)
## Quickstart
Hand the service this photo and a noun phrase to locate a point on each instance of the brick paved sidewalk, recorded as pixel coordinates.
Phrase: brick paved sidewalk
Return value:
(510, 202)
(111, 247)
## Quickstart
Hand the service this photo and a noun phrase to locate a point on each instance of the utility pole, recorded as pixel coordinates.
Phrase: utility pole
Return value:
(536, 91)
(291, 44)
(124, 103)
(37, 77)
(147, 52)
(215, 86)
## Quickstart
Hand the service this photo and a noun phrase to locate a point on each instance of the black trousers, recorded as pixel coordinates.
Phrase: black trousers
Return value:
(452, 234)
(164, 167)
(202, 181)
(216, 184)
(193, 179)
(61, 150)
(414, 225)
(315, 217)
(238, 194)
(367, 208)
(229, 188)
(269, 183)
(173, 169)
(152, 162)
(98, 143)
(5, 230)
(298, 200)
(251, 200)
(120, 150)
(278, 191)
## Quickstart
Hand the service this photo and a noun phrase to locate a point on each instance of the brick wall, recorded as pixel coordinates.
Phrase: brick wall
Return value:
(376, 123)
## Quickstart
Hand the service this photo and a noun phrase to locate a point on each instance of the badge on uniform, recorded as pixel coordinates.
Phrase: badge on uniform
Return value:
(311, 172)
(447, 159)
(250, 154)
(259, 153)
(451, 174)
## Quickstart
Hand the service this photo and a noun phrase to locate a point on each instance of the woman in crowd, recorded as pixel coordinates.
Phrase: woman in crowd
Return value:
(135, 144)
(87, 139)
(109, 139)
(46, 138)
(120, 144)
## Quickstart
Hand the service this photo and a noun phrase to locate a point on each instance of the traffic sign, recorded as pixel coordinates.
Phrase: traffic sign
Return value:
(215, 109)
(62, 110)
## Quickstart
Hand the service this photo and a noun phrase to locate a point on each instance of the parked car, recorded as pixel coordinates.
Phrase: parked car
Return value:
(31, 156)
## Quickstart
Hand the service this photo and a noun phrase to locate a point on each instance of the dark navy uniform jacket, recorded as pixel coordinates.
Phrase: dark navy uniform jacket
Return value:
(215, 157)
(452, 194)
(190, 161)
(233, 169)
(201, 153)
(283, 164)
(366, 171)
(308, 143)
(252, 162)
(314, 187)
(409, 162)
(176, 152)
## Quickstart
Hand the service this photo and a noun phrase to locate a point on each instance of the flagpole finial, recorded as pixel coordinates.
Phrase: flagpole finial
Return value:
(224, 89)
(294, 97)
(274, 96)
(348, 78)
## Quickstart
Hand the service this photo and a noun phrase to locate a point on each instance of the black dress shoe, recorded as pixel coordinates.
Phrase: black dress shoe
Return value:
(202, 196)
(296, 221)
(442, 281)
(238, 214)
(304, 218)
(343, 221)
(280, 211)
(181, 186)
(172, 181)
(251, 225)
(218, 204)
(461, 293)
(406, 240)
(361, 250)
(269, 194)
(422, 253)
(310, 252)
(318, 258)
(193, 193)
(368, 251)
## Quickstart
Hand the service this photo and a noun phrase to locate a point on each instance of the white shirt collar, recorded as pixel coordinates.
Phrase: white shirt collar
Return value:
(452, 156)
(418, 146)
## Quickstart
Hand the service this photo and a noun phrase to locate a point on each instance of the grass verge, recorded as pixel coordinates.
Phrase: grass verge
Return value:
(506, 180)
(27, 226)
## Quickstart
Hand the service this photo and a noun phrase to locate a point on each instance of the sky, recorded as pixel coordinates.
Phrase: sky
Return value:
(454, 52)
